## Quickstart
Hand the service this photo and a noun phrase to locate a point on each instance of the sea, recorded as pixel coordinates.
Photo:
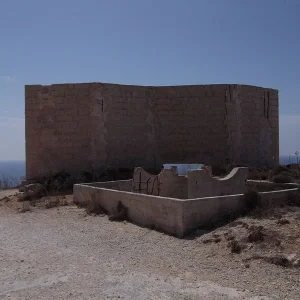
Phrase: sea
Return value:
(15, 170)
(12, 171)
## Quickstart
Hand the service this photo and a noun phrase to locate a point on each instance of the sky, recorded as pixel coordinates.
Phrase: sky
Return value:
(148, 42)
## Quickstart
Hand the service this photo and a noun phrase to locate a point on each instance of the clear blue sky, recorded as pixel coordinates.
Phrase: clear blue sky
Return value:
(148, 42)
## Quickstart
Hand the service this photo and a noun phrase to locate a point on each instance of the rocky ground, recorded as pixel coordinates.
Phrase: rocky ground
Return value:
(50, 249)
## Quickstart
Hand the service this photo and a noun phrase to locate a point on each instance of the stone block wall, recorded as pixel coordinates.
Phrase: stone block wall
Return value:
(79, 127)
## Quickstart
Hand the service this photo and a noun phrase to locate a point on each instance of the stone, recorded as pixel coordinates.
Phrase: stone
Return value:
(34, 190)
(296, 263)
(22, 196)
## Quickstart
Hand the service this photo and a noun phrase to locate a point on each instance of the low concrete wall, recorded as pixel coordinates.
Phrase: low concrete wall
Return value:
(277, 197)
(201, 184)
(265, 186)
(175, 216)
(208, 211)
(120, 185)
(153, 211)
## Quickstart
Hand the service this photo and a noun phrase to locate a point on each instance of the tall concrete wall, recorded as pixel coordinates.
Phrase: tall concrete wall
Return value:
(76, 127)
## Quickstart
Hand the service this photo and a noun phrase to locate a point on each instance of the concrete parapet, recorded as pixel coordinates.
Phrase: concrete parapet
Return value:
(201, 184)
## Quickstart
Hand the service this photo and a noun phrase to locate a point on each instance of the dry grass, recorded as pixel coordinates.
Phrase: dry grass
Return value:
(252, 200)
(268, 232)
(282, 179)
(25, 207)
(120, 213)
(13, 202)
(283, 222)
(235, 246)
(256, 234)
(92, 207)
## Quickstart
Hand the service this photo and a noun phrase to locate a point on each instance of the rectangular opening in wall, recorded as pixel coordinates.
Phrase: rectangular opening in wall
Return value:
(182, 169)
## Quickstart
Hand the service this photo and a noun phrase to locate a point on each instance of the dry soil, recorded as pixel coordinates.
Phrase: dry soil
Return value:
(63, 253)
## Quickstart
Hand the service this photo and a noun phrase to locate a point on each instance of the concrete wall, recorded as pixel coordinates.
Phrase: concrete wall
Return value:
(166, 184)
(197, 183)
(152, 211)
(266, 186)
(209, 211)
(76, 127)
(201, 184)
(119, 185)
(174, 216)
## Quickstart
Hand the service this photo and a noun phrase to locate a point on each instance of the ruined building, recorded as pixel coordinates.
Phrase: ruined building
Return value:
(76, 127)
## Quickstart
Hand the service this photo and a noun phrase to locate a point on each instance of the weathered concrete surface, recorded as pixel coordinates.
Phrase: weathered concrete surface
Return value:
(79, 127)
(118, 185)
(175, 216)
(165, 184)
(152, 211)
(201, 184)
(265, 186)
(72, 256)
(198, 183)
(208, 211)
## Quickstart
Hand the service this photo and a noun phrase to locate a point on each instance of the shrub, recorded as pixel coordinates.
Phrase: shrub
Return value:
(52, 202)
(282, 179)
(294, 199)
(258, 174)
(234, 246)
(278, 170)
(92, 207)
(255, 234)
(252, 200)
(283, 222)
(57, 182)
(219, 170)
(120, 213)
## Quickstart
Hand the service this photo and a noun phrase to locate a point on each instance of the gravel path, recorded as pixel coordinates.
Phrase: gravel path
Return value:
(62, 253)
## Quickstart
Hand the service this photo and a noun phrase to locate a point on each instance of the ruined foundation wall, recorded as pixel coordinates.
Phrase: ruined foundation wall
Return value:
(76, 127)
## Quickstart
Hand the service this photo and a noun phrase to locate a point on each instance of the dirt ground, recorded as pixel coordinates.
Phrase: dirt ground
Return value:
(63, 253)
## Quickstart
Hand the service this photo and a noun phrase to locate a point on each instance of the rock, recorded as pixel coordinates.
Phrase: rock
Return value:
(292, 257)
(22, 189)
(296, 263)
(32, 194)
(34, 190)
(22, 196)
